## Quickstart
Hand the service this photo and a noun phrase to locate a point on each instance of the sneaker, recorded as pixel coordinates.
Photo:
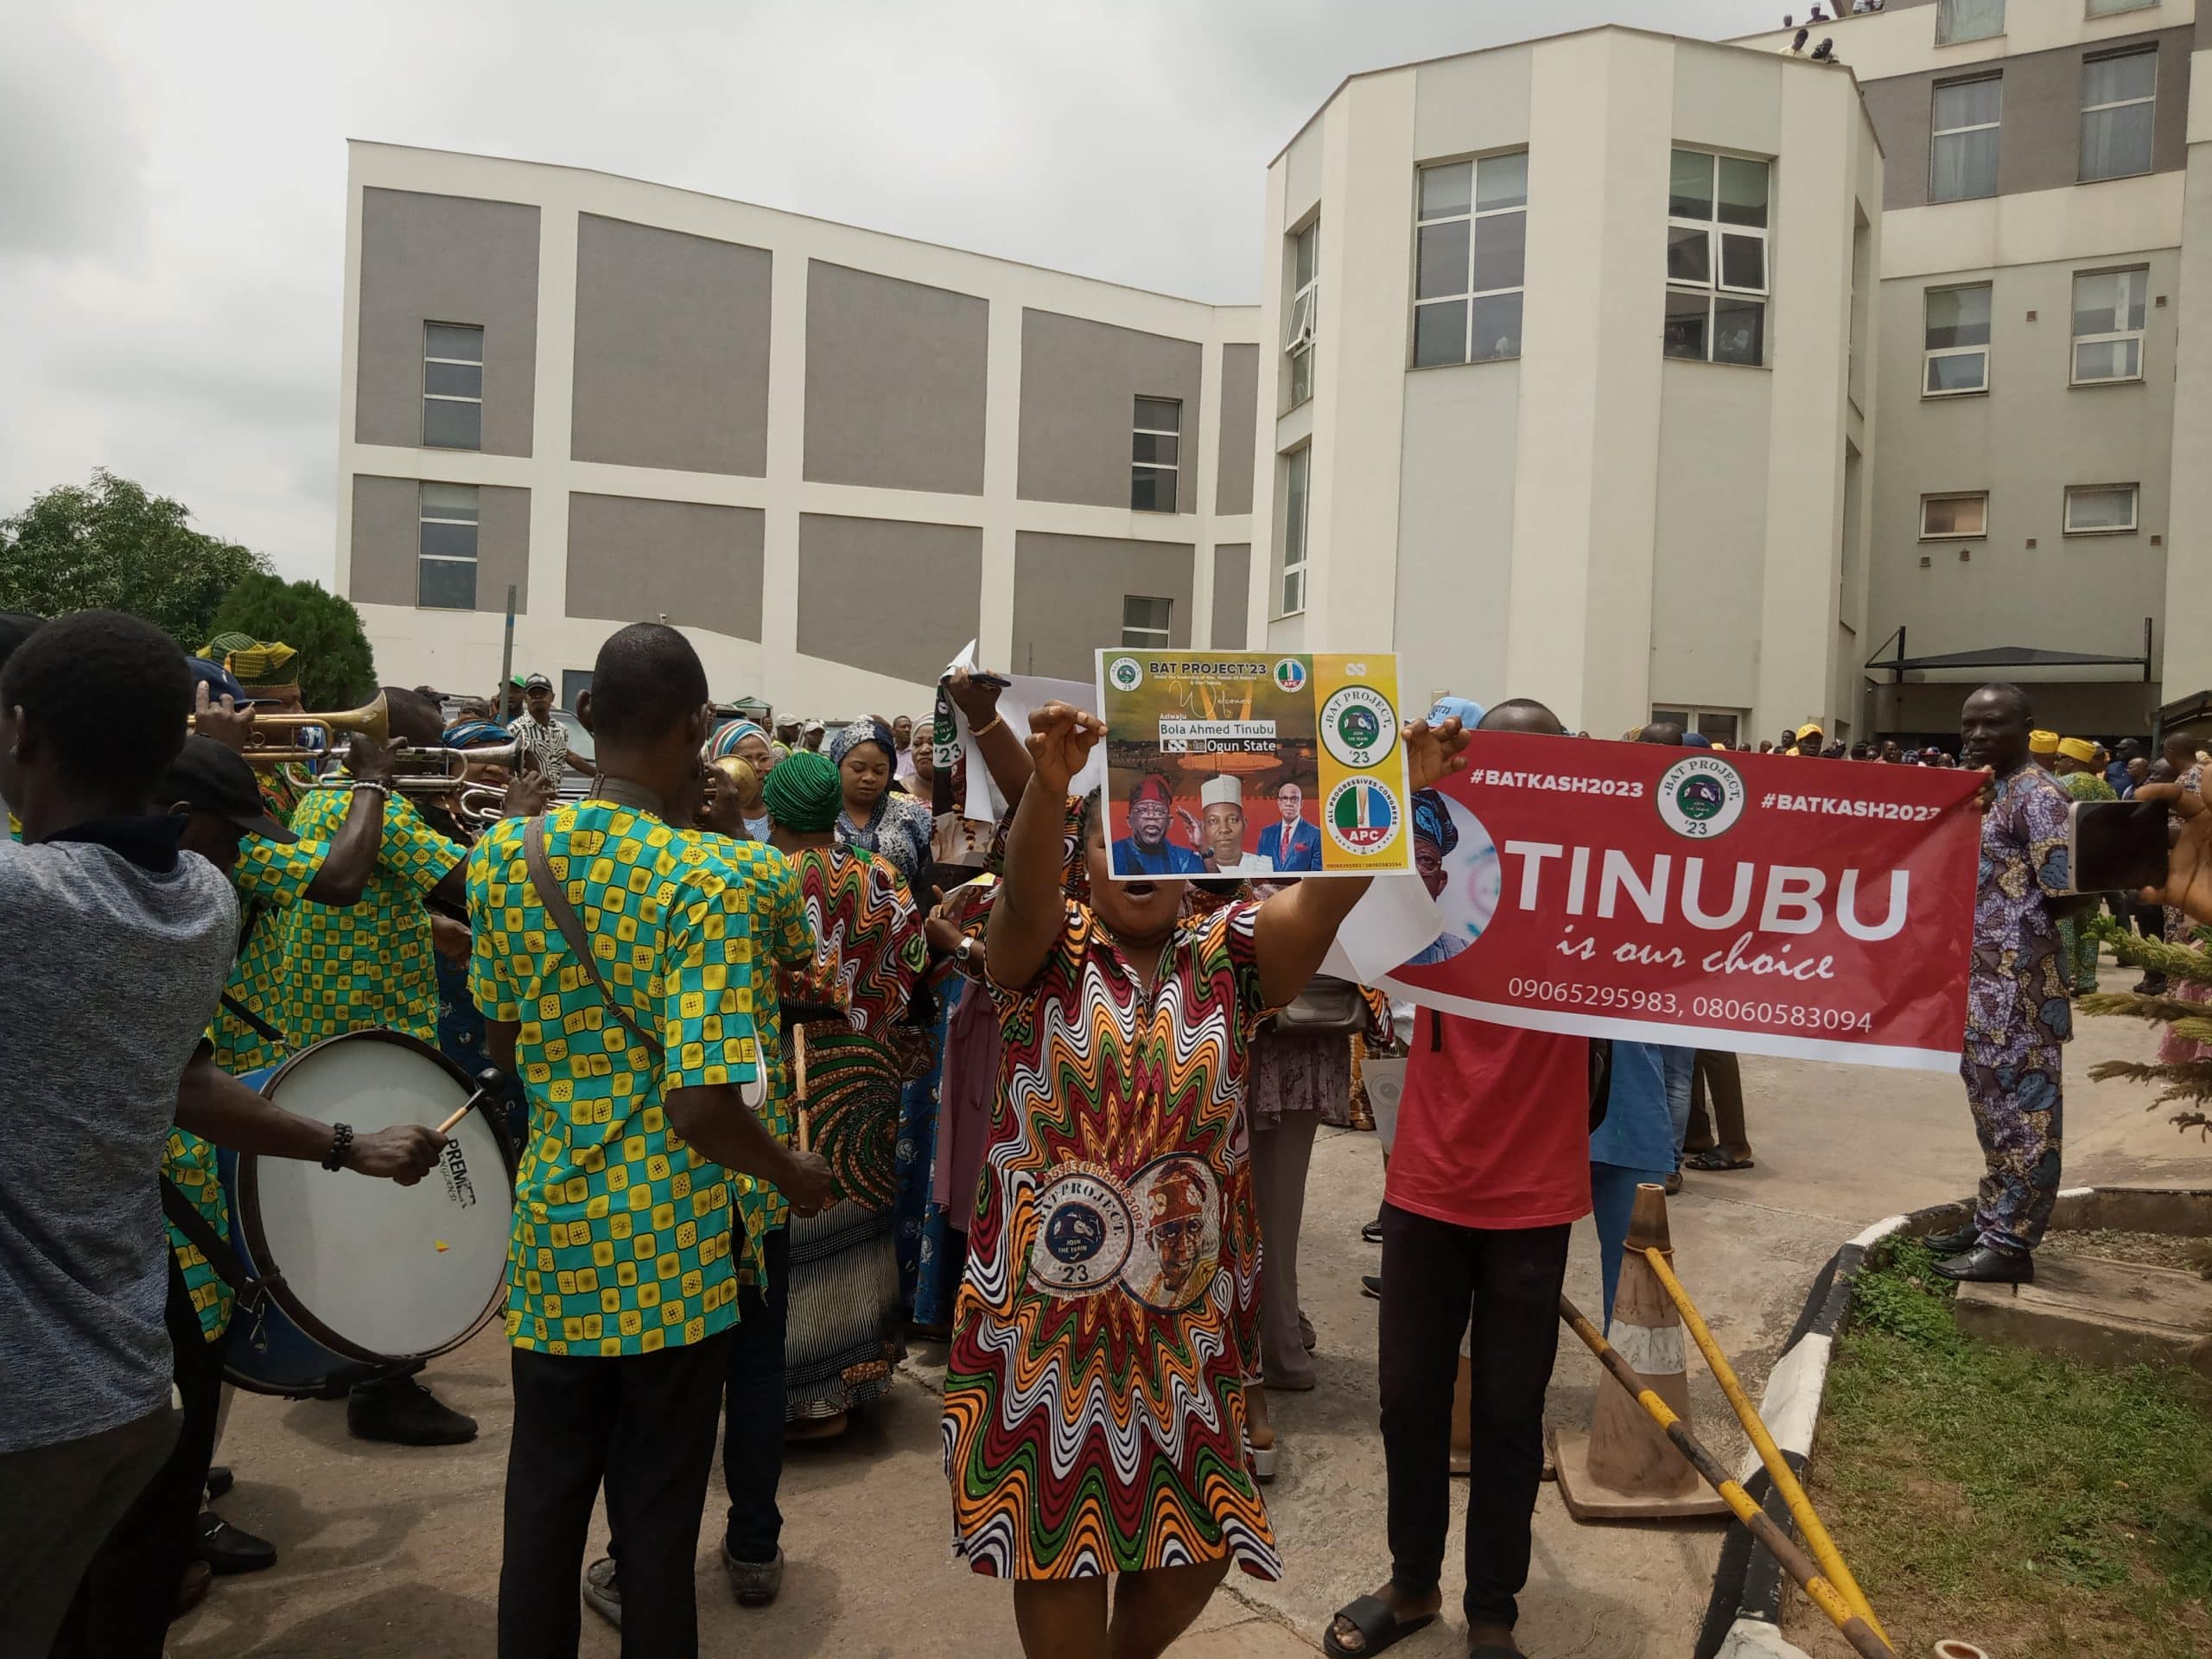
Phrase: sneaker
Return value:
(227, 1549)
(402, 1411)
(1370, 1284)
(602, 1593)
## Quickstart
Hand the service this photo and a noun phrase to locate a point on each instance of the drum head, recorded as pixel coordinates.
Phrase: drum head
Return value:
(370, 1268)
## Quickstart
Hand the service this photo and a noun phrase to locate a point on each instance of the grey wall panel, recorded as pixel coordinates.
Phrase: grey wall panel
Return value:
(1080, 381)
(2039, 146)
(446, 259)
(672, 350)
(1455, 532)
(631, 559)
(1240, 409)
(1232, 589)
(891, 597)
(895, 374)
(387, 541)
(1068, 592)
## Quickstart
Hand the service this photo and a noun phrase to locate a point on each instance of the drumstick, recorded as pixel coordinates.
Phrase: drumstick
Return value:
(798, 1104)
(484, 1092)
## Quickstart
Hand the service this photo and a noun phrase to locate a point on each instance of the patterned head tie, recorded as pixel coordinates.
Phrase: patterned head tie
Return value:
(1176, 1196)
(476, 735)
(1432, 821)
(870, 730)
(803, 792)
(723, 744)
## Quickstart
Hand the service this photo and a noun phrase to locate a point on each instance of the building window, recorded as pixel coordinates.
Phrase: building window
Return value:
(1144, 621)
(2109, 325)
(1950, 517)
(445, 574)
(2113, 8)
(1962, 142)
(1473, 234)
(1958, 340)
(1305, 304)
(1716, 259)
(1153, 458)
(1721, 724)
(1967, 20)
(452, 386)
(2118, 100)
(1295, 480)
(2101, 509)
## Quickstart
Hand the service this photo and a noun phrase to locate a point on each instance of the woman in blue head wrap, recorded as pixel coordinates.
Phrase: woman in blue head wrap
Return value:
(876, 819)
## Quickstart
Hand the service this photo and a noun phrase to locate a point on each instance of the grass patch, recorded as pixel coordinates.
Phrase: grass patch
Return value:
(2036, 1507)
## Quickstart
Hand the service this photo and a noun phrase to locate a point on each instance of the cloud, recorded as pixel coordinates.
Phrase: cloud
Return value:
(172, 178)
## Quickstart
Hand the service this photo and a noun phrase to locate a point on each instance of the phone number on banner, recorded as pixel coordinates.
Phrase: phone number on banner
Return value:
(1786, 1016)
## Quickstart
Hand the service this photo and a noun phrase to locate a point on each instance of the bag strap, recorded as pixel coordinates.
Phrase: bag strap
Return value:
(555, 897)
(269, 1033)
(210, 1245)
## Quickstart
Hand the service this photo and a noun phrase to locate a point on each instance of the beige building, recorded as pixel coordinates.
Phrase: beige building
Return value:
(831, 456)
(2040, 489)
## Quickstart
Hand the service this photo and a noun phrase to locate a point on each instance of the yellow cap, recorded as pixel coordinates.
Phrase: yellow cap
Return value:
(2043, 743)
(1810, 728)
(2078, 749)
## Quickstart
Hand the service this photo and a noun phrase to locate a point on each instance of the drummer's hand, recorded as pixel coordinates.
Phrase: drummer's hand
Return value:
(450, 938)
(404, 1153)
(807, 1183)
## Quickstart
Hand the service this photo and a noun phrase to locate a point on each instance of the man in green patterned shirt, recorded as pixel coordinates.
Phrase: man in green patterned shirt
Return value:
(642, 1061)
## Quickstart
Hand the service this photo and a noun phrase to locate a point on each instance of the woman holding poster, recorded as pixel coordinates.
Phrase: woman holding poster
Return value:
(1094, 1399)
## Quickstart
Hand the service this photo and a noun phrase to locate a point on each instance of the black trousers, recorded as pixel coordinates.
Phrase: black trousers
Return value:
(753, 1424)
(1502, 1288)
(128, 1595)
(644, 1424)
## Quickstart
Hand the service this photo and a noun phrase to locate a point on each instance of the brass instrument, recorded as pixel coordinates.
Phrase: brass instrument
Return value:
(436, 774)
(371, 721)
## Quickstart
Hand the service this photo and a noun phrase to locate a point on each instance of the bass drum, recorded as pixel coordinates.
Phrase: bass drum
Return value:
(363, 1275)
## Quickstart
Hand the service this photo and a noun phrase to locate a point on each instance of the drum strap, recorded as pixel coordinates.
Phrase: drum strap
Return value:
(213, 1245)
(269, 1033)
(555, 897)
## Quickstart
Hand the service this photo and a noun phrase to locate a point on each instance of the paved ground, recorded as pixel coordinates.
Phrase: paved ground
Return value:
(391, 1552)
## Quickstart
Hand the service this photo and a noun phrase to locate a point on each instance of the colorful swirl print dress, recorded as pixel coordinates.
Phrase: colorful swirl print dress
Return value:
(1094, 1399)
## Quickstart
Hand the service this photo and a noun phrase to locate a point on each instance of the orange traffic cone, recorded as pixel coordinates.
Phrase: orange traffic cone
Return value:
(1625, 1468)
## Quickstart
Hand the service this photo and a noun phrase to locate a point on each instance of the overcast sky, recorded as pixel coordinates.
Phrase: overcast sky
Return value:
(173, 176)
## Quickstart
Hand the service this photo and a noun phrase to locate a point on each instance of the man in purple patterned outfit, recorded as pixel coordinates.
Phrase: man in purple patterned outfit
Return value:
(2018, 1016)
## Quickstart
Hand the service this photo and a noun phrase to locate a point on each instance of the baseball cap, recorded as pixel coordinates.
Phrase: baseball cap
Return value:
(213, 777)
(537, 683)
(816, 726)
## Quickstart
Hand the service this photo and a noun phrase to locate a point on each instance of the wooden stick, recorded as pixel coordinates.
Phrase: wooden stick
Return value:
(799, 1091)
(1799, 1565)
(464, 1108)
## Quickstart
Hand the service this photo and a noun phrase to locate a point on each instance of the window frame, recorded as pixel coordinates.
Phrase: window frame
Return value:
(1982, 496)
(1694, 715)
(2150, 151)
(1165, 633)
(429, 397)
(1303, 325)
(1296, 460)
(1929, 353)
(2140, 336)
(1936, 133)
(1717, 232)
(2133, 526)
(1943, 39)
(475, 559)
(1171, 467)
(1472, 216)
(2090, 7)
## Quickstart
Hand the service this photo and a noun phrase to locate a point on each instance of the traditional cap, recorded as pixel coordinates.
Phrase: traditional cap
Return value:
(1152, 784)
(2078, 749)
(2043, 743)
(1176, 1196)
(1221, 791)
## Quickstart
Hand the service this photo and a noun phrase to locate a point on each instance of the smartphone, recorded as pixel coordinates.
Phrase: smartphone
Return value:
(2116, 846)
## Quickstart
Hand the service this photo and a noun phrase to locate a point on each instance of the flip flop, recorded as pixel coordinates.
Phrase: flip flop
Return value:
(1710, 1161)
(1378, 1627)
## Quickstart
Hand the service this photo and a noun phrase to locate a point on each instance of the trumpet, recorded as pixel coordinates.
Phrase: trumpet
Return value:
(371, 721)
(449, 776)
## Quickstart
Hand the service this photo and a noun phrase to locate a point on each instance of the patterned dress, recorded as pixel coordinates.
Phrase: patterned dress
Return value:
(2018, 1017)
(869, 954)
(1093, 1402)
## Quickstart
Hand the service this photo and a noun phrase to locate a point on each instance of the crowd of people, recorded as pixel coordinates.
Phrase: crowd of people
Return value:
(800, 1062)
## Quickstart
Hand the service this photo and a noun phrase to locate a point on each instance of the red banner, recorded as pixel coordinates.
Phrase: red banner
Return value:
(1759, 903)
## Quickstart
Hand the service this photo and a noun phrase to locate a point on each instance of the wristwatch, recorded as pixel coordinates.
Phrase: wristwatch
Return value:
(964, 950)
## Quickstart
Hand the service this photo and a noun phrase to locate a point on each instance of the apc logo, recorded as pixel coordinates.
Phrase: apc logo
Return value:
(1290, 675)
(1125, 673)
(1361, 815)
(1700, 797)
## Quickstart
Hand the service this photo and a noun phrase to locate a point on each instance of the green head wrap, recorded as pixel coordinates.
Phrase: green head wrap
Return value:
(803, 792)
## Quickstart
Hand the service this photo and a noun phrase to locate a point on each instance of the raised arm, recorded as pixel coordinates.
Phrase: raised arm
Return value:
(1004, 755)
(1027, 916)
(1293, 929)
(352, 856)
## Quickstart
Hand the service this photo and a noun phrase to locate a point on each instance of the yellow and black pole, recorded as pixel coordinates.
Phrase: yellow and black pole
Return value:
(1801, 1567)
(1779, 1472)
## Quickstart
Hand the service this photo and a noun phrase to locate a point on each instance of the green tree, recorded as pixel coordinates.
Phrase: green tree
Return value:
(111, 545)
(335, 666)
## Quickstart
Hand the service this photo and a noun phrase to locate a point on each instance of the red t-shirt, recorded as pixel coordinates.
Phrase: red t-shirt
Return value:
(1494, 1127)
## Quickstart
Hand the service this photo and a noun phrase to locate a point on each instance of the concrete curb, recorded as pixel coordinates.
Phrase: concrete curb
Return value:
(1743, 1617)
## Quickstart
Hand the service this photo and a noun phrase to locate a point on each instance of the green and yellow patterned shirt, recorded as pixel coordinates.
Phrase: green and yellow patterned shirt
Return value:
(622, 1233)
(271, 878)
(368, 964)
(786, 940)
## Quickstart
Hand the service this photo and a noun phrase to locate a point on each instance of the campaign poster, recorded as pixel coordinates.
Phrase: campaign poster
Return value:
(1763, 904)
(1243, 764)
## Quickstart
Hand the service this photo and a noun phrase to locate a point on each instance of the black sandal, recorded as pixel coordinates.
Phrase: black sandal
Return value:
(1710, 1161)
(1378, 1627)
